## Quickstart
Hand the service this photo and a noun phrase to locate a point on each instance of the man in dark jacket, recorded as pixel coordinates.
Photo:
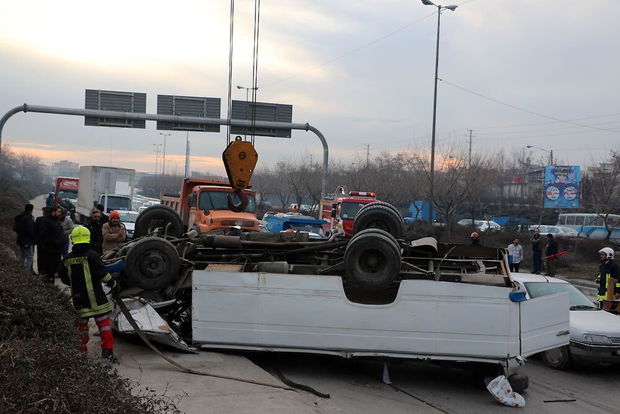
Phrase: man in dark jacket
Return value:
(50, 241)
(550, 253)
(104, 216)
(96, 235)
(24, 227)
(537, 243)
(84, 271)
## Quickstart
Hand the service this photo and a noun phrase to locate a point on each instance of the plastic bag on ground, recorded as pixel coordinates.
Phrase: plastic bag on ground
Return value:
(501, 389)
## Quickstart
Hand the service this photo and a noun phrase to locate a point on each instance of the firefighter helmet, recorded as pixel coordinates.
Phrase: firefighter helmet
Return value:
(608, 252)
(79, 235)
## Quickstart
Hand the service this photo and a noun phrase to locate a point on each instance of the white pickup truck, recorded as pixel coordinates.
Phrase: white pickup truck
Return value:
(372, 295)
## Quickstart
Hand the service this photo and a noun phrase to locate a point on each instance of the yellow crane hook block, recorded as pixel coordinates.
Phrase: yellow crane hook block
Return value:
(239, 158)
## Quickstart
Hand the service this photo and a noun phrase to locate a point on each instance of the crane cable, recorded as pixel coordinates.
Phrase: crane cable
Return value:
(255, 66)
(230, 66)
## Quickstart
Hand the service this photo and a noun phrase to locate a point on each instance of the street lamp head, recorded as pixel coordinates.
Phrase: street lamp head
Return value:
(240, 87)
(528, 146)
(452, 7)
(428, 3)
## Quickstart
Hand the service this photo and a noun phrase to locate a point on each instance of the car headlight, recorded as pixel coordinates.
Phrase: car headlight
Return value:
(596, 339)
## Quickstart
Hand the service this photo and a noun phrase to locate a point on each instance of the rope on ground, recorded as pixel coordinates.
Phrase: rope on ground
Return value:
(297, 385)
(146, 340)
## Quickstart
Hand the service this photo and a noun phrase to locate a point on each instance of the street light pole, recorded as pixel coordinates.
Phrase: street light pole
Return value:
(432, 169)
(545, 150)
(163, 163)
(156, 151)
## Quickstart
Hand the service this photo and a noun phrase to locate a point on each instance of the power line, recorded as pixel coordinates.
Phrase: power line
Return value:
(353, 51)
(523, 109)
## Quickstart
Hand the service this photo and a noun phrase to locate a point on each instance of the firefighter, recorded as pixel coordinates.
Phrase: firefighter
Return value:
(84, 271)
(608, 277)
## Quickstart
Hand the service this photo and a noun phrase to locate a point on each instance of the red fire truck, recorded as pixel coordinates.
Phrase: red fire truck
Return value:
(345, 207)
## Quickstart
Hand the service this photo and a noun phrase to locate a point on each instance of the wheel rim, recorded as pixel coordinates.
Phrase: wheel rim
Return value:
(372, 261)
(554, 356)
(153, 264)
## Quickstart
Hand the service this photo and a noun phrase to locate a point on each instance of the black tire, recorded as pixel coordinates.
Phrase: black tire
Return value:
(158, 216)
(372, 261)
(152, 263)
(380, 203)
(379, 231)
(380, 216)
(519, 382)
(557, 358)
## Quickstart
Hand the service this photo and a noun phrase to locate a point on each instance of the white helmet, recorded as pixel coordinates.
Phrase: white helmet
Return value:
(608, 252)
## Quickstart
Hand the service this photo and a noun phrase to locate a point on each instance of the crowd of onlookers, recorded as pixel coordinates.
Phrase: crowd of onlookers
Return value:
(538, 244)
(50, 234)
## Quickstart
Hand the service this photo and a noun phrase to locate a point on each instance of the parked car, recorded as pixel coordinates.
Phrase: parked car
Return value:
(481, 225)
(128, 218)
(556, 231)
(594, 333)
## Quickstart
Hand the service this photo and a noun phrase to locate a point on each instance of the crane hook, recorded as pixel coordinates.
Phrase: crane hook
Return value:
(243, 198)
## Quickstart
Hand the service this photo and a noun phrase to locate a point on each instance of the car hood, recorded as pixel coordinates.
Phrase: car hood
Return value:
(594, 321)
(130, 226)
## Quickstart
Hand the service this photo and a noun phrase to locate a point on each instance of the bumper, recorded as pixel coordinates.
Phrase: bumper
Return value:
(595, 353)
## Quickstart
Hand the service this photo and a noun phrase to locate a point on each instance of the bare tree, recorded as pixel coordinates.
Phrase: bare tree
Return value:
(601, 191)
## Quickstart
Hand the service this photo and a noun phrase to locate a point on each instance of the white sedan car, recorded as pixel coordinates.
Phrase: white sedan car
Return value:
(557, 231)
(594, 333)
(481, 225)
(128, 218)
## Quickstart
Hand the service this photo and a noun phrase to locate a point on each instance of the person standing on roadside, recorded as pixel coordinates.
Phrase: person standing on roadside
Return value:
(84, 271)
(475, 239)
(24, 227)
(50, 241)
(550, 252)
(67, 226)
(50, 200)
(536, 242)
(96, 235)
(114, 232)
(515, 252)
(104, 217)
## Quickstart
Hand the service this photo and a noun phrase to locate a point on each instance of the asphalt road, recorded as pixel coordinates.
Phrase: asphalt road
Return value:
(355, 386)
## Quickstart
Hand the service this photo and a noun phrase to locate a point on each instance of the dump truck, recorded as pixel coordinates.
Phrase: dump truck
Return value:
(369, 295)
(203, 205)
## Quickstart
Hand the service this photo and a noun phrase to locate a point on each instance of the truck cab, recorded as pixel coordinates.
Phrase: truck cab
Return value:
(203, 204)
(342, 208)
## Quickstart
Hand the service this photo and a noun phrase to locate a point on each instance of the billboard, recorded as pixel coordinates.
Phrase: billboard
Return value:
(561, 186)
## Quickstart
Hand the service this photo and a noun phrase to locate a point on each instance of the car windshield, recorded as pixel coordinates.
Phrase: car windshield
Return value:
(349, 209)
(218, 200)
(117, 203)
(576, 298)
(63, 194)
(128, 216)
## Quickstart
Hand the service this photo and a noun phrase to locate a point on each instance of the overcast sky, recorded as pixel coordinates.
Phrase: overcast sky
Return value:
(517, 73)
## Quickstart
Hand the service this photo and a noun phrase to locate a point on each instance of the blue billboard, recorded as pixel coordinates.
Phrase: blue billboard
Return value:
(561, 186)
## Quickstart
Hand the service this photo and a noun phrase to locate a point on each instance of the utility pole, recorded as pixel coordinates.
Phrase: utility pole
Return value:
(367, 155)
(187, 172)
(471, 200)
(156, 151)
(163, 163)
(470, 142)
